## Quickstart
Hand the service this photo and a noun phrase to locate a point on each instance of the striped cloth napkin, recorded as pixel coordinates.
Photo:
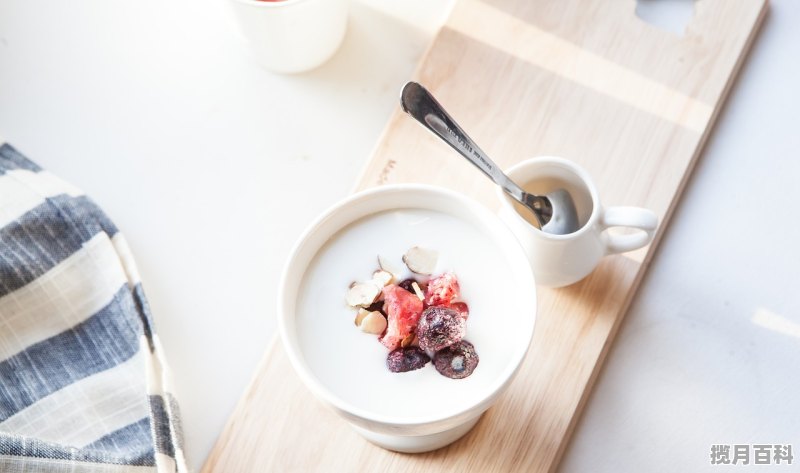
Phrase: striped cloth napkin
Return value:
(83, 382)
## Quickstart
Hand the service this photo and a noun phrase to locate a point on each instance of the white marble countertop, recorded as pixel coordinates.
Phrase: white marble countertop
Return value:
(157, 111)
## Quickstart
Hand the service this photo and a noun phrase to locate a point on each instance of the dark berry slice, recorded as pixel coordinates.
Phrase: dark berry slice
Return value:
(457, 361)
(377, 305)
(406, 359)
(406, 284)
(440, 327)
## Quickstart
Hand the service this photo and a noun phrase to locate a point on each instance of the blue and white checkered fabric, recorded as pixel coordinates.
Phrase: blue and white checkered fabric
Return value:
(83, 384)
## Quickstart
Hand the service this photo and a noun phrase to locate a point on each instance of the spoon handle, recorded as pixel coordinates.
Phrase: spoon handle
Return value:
(420, 104)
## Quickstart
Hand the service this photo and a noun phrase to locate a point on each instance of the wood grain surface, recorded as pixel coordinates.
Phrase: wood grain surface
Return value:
(581, 79)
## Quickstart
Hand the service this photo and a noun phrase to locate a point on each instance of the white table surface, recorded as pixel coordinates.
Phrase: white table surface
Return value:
(205, 162)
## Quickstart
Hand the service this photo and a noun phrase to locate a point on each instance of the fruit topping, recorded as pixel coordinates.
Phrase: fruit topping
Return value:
(418, 319)
(442, 290)
(408, 285)
(377, 305)
(403, 310)
(439, 327)
(456, 361)
(462, 308)
(421, 260)
(406, 359)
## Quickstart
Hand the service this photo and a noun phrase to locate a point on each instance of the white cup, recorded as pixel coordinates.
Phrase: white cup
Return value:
(291, 36)
(560, 260)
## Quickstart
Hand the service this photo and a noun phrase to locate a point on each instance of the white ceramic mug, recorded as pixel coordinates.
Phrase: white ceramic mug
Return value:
(291, 36)
(560, 260)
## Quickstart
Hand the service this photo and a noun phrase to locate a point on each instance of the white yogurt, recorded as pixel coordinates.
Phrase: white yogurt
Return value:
(352, 364)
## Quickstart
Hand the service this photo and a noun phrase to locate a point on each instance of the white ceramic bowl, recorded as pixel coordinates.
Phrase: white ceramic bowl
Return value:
(419, 410)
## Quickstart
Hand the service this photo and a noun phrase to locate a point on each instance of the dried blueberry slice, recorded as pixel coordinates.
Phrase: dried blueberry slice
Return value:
(456, 361)
(440, 327)
(377, 305)
(406, 284)
(406, 359)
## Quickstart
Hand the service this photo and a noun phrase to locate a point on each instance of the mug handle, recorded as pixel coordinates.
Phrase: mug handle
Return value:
(633, 217)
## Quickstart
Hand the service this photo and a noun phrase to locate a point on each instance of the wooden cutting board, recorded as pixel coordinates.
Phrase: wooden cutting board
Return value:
(582, 79)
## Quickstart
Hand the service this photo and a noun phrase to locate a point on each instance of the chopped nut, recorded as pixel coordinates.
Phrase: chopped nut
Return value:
(408, 340)
(362, 294)
(374, 323)
(415, 342)
(360, 316)
(421, 260)
(418, 291)
(386, 265)
(382, 278)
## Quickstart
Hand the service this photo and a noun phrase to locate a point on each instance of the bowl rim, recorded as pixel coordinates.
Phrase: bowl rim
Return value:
(481, 215)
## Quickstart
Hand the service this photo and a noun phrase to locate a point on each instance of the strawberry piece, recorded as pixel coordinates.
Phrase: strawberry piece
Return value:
(442, 290)
(403, 310)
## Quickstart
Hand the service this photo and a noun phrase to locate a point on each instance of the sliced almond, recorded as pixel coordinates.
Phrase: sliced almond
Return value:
(386, 265)
(415, 341)
(374, 323)
(362, 294)
(360, 316)
(421, 260)
(382, 278)
(407, 341)
(418, 291)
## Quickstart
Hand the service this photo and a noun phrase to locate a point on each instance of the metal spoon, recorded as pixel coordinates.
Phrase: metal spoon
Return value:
(555, 212)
